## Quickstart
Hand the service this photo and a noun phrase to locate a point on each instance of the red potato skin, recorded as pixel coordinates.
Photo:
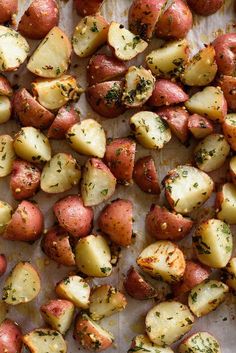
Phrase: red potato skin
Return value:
(197, 121)
(8, 9)
(66, 117)
(5, 87)
(29, 111)
(86, 8)
(145, 175)
(102, 68)
(225, 48)
(73, 216)
(177, 119)
(25, 179)
(205, 7)
(228, 86)
(39, 19)
(10, 337)
(3, 264)
(56, 307)
(167, 93)
(119, 157)
(175, 22)
(26, 224)
(116, 220)
(230, 134)
(165, 225)
(137, 287)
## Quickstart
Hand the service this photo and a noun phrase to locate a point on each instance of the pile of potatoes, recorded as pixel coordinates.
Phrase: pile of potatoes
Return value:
(173, 93)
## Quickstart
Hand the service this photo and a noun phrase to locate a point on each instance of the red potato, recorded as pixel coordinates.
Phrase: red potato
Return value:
(167, 93)
(102, 68)
(229, 129)
(145, 175)
(177, 119)
(26, 223)
(119, 157)
(116, 220)
(3, 264)
(29, 111)
(8, 9)
(205, 7)
(10, 337)
(232, 169)
(225, 48)
(86, 8)
(66, 117)
(105, 98)
(200, 126)
(5, 87)
(228, 86)
(137, 287)
(73, 216)
(25, 179)
(175, 22)
(39, 19)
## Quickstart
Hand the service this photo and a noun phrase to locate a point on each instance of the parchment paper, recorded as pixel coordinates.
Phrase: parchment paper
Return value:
(130, 322)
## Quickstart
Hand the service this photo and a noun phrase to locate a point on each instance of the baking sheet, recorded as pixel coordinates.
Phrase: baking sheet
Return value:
(130, 322)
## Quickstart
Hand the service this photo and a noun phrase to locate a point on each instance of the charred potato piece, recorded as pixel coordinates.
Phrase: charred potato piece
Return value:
(145, 175)
(5, 215)
(205, 8)
(7, 155)
(66, 117)
(167, 93)
(226, 203)
(85, 8)
(45, 340)
(10, 337)
(137, 287)
(202, 341)
(200, 126)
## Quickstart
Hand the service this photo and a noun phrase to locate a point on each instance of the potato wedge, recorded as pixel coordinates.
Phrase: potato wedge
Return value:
(7, 155)
(60, 174)
(229, 129)
(137, 287)
(228, 86)
(200, 341)
(206, 297)
(145, 175)
(199, 126)
(22, 285)
(6, 212)
(85, 8)
(142, 344)
(205, 8)
(226, 203)
(167, 93)
(89, 34)
(230, 273)
(8, 10)
(5, 87)
(182, 178)
(10, 337)
(5, 109)
(45, 340)
(66, 117)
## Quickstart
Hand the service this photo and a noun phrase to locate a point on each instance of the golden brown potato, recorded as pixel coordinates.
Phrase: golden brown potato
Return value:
(10, 336)
(167, 93)
(228, 86)
(85, 7)
(5, 87)
(137, 287)
(66, 117)
(200, 126)
(229, 129)
(145, 175)
(225, 45)
(8, 10)
(205, 7)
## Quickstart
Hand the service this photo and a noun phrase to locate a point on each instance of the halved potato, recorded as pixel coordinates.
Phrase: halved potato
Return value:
(230, 273)
(150, 130)
(13, 49)
(187, 188)
(6, 212)
(10, 337)
(88, 137)
(229, 129)
(200, 126)
(22, 285)
(7, 155)
(60, 174)
(142, 344)
(89, 35)
(199, 342)
(44, 340)
(5, 109)
(5, 87)
(137, 287)
(206, 297)
(124, 44)
(226, 203)
(67, 116)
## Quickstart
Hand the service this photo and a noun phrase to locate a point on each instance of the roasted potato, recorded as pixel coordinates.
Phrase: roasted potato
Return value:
(3, 265)
(10, 337)
(142, 344)
(229, 129)
(228, 86)
(5, 215)
(105, 98)
(206, 297)
(5, 87)
(26, 223)
(165, 225)
(232, 169)
(98, 183)
(66, 117)
(102, 68)
(200, 341)
(205, 7)
(44, 340)
(7, 155)
(119, 157)
(116, 220)
(199, 126)
(5, 109)
(8, 10)
(73, 216)
(225, 45)
(230, 273)
(167, 322)
(124, 44)
(85, 8)
(167, 93)
(137, 287)
(89, 34)
(145, 175)
(22, 284)
(226, 203)
(182, 178)
(93, 256)
(40, 17)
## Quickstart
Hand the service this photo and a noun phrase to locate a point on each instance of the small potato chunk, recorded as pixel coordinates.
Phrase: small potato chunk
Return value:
(105, 301)
(139, 86)
(90, 335)
(225, 45)
(90, 33)
(7, 155)
(199, 126)
(211, 153)
(145, 175)
(32, 145)
(202, 68)
(150, 130)
(163, 260)
(5, 109)
(13, 48)
(93, 256)
(229, 129)
(66, 117)
(205, 7)
(228, 86)
(75, 289)
(165, 225)
(85, 7)
(226, 203)
(119, 157)
(169, 60)
(73, 216)
(5, 87)
(230, 273)
(22, 285)
(167, 93)
(167, 322)
(198, 185)
(210, 103)
(5, 215)
(213, 242)
(206, 297)
(116, 220)
(58, 313)
(45, 340)
(87, 137)
(8, 10)
(136, 286)
(98, 183)
(10, 337)
(124, 44)
(199, 342)
(232, 169)
(142, 344)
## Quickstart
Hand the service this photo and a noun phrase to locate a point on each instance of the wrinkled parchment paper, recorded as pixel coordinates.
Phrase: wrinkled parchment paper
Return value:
(130, 322)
